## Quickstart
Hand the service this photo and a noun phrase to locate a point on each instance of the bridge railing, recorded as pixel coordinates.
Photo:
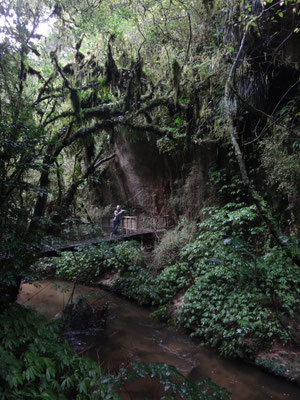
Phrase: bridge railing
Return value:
(136, 223)
(78, 230)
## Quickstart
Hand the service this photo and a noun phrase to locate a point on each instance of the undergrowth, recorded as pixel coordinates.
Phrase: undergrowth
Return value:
(167, 251)
(234, 299)
(136, 284)
(238, 292)
(35, 363)
(92, 262)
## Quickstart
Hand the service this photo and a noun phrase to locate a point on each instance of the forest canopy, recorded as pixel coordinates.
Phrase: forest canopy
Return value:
(74, 74)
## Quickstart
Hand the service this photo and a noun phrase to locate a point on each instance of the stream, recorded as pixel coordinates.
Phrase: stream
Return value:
(131, 334)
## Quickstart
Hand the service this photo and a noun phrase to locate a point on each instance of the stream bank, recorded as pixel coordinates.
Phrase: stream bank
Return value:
(132, 335)
(213, 298)
(278, 360)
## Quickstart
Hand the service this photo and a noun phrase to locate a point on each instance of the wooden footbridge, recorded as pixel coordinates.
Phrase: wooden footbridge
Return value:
(131, 228)
(146, 237)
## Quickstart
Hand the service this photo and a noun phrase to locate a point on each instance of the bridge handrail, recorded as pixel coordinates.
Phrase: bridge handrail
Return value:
(135, 223)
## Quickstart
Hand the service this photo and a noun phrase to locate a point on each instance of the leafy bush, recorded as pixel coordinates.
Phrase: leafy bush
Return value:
(93, 261)
(136, 284)
(36, 364)
(129, 253)
(171, 280)
(233, 299)
(224, 309)
(281, 165)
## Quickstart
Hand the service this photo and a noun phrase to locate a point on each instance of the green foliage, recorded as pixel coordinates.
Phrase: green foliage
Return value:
(136, 284)
(233, 299)
(167, 251)
(92, 262)
(35, 363)
(175, 384)
(20, 144)
(234, 219)
(281, 164)
(171, 280)
(226, 178)
(234, 311)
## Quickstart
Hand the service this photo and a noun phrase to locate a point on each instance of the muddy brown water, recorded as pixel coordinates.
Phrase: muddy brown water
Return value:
(131, 334)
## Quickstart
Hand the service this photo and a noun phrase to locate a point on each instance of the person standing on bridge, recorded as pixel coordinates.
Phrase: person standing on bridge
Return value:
(118, 213)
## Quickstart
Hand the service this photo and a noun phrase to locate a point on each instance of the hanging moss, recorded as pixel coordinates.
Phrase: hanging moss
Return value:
(176, 71)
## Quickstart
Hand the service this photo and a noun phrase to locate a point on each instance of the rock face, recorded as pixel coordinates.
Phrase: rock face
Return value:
(157, 183)
(281, 361)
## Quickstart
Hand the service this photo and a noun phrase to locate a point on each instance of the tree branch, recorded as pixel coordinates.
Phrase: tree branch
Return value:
(256, 197)
(248, 104)
(42, 91)
(62, 115)
(60, 212)
(161, 132)
(106, 110)
(190, 39)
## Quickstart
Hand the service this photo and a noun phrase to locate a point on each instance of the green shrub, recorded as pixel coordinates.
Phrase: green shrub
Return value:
(93, 261)
(224, 309)
(35, 363)
(129, 253)
(234, 299)
(171, 280)
(168, 249)
(136, 284)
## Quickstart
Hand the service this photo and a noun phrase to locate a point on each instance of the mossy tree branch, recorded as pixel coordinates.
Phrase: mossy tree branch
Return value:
(61, 208)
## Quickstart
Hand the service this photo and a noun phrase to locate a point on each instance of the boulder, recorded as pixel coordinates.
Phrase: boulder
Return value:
(78, 314)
